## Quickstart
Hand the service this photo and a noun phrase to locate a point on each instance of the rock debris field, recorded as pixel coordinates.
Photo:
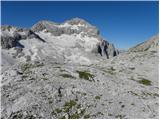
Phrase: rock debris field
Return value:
(60, 71)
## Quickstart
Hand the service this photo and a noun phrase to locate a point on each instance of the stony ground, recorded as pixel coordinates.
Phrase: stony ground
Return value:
(125, 86)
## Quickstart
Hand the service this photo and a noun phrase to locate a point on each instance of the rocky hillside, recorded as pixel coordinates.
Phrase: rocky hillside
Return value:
(149, 45)
(73, 40)
(54, 71)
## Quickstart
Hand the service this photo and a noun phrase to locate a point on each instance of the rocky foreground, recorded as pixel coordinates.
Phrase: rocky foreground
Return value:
(87, 85)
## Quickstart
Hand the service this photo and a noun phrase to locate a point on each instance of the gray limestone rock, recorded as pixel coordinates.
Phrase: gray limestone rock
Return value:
(149, 45)
(8, 42)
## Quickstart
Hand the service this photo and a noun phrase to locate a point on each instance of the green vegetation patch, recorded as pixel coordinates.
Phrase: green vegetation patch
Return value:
(97, 97)
(69, 105)
(67, 76)
(16, 115)
(120, 116)
(86, 116)
(144, 81)
(68, 108)
(63, 117)
(74, 116)
(133, 93)
(58, 110)
(27, 66)
(85, 75)
(44, 78)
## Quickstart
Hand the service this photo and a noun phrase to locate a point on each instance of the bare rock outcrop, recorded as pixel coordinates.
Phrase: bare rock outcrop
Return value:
(10, 36)
(149, 45)
(78, 26)
(56, 36)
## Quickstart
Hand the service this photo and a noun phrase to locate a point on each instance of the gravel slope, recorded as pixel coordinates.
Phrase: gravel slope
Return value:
(125, 86)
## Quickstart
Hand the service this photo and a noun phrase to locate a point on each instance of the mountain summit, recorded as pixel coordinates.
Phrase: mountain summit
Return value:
(74, 40)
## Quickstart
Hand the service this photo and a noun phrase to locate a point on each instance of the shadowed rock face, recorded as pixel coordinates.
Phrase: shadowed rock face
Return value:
(8, 42)
(11, 36)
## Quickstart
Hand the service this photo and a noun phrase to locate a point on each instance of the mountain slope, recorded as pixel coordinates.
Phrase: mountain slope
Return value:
(72, 40)
(151, 44)
(125, 86)
(58, 71)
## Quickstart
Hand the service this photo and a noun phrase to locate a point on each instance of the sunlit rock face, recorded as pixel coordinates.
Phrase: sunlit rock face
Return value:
(74, 39)
(68, 71)
(150, 45)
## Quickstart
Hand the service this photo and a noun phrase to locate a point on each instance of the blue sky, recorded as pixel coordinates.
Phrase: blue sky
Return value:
(123, 23)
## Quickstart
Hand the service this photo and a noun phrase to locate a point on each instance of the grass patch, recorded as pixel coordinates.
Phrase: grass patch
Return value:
(85, 75)
(78, 106)
(27, 66)
(44, 78)
(69, 105)
(133, 93)
(67, 76)
(74, 116)
(97, 97)
(156, 94)
(58, 110)
(109, 114)
(24, 76)
(120, 116)
(63, 117)
(99, 113)
(16, 115)
(84, 94)
(144, 81)
(62, 70)
(132, 68)
(151, 94)
(86, 116)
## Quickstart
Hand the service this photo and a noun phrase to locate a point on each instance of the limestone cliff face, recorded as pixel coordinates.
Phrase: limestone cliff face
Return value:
(77, 26)
(75, 37)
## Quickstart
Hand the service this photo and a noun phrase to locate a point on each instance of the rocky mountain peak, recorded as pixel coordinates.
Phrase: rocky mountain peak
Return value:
(77, 21)
(74, 39)
(73, 26)
(44, 24)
